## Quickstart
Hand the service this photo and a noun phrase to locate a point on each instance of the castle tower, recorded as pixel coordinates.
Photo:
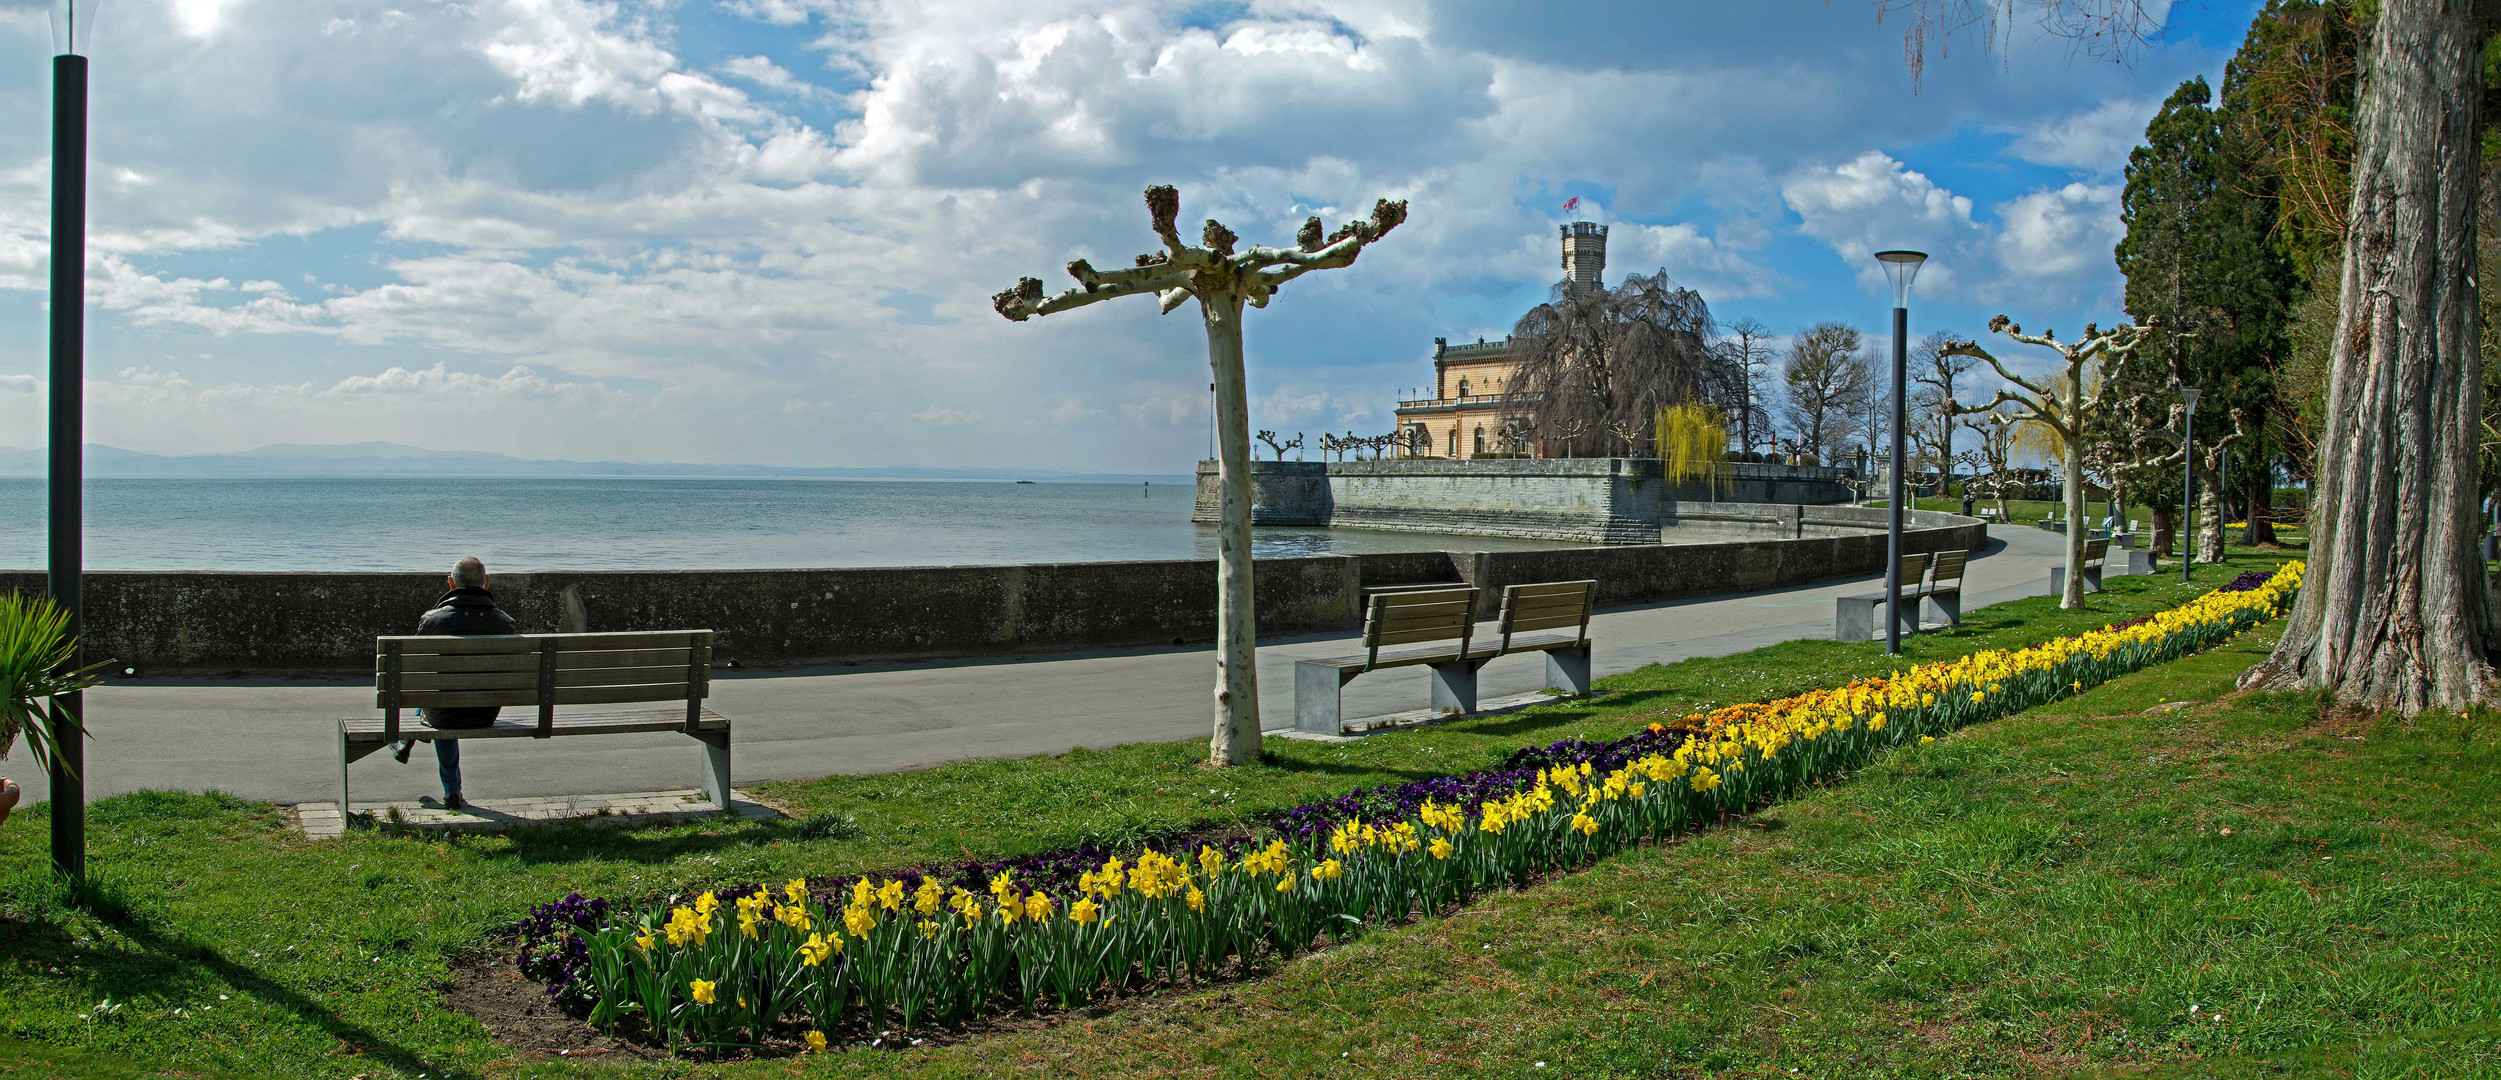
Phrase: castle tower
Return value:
(1584, 258)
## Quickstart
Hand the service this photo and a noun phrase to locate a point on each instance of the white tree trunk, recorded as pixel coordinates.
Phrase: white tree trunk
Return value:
(2077, 526)
(1236, 740)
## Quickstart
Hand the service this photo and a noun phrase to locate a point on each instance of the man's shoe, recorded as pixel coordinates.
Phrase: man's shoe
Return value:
(455, 802)
(400, 749)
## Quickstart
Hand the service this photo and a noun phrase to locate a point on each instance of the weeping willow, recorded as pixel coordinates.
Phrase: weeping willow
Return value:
(1691, 442)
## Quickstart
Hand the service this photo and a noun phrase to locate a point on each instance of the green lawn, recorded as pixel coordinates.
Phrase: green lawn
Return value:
(2041, 895)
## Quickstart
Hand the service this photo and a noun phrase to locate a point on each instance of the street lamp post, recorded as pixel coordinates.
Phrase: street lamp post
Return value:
(70, 33)
(2188, 470)
(1899, 268)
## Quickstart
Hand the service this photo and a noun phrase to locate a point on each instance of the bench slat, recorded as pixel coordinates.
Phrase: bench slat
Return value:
(1549, 639)
(1572, 589)
(573, 695)
(1409, 637)
(519, 680)
(1443, 615)
(1414, 654)
(1547, 622)
(1549, 606)
(603, 722)
(414, 645)
(527, 660)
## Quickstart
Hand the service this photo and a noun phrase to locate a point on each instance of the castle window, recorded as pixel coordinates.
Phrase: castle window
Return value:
(1480, 440)
(1463, 388)
(1454, 442)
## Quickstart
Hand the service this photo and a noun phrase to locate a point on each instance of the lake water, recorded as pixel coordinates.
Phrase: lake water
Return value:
(620, 524)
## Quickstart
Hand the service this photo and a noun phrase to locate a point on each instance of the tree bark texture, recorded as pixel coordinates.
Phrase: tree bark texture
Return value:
(2078, 526)
(2394, 610)
(1236, 738)
(2260, 498)
(2211, 512)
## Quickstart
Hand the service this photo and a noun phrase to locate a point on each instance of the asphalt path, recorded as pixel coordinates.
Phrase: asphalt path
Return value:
(275, 739)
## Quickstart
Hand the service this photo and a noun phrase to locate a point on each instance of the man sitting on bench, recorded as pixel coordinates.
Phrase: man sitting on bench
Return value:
(468, 610)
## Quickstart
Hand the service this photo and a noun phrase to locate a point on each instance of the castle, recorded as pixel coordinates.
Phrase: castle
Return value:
(1466, 417)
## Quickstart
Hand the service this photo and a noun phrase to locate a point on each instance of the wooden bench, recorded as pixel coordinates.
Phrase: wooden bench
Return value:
(1944, 592)
(537, 673)
(1854, 617)
(1436, 628)
(2095, 553)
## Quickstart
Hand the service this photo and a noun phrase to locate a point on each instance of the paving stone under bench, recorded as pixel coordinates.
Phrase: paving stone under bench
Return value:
(321, 821)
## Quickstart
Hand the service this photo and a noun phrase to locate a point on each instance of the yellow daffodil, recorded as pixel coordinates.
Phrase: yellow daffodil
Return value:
(702, 992)
(1083, 912)
(817, 949)
(796, 891)
(816, 1042)
(1440, 848)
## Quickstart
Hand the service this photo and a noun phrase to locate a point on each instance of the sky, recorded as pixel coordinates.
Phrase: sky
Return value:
(767, 231)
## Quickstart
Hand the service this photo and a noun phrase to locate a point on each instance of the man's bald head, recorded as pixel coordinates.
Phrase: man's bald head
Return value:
(469, 573)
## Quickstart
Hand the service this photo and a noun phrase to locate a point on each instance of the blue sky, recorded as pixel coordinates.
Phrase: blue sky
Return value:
(767, 230)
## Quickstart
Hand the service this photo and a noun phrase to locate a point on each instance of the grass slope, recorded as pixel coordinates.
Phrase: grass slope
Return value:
(2043, 895)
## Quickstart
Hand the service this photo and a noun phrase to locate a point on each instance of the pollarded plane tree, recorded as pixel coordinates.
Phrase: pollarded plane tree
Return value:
(2062, 405)
(1279, 448)
(1995, 453)
(1223, 280)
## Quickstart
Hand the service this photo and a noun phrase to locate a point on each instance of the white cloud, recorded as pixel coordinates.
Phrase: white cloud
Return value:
(24, 384)
(2061, 233)
(941, 416)
(544, 214)
(2097, 140)
(762, 71)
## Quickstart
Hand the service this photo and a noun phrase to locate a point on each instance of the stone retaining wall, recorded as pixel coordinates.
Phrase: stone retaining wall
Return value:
(1590, 500)
(210, 622)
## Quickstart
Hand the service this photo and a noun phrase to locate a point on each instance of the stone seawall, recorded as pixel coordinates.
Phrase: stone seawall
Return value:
(216, 622)
(1589, 500)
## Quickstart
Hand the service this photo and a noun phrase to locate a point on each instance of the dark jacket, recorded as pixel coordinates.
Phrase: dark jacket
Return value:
(465, 612)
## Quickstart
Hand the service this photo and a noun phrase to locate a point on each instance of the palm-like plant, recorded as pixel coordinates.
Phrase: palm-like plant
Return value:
(35, 651)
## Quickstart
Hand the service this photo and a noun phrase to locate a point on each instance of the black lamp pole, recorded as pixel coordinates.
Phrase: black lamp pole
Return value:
(1899, 267)
(68, 436)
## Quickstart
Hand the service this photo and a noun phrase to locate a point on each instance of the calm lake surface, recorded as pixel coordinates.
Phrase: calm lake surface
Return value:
(620, 524)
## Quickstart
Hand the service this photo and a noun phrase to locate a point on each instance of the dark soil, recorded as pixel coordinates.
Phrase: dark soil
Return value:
(519, 1014)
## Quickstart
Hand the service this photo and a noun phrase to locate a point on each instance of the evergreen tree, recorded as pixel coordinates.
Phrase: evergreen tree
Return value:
(2200, 264)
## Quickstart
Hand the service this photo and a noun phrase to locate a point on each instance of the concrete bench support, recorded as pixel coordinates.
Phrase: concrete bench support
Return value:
(1854, 618)
(1568, 670)
(2058, 580)
(1454, 685)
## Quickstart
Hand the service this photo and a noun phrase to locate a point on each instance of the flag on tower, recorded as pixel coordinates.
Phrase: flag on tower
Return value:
(1571, 203)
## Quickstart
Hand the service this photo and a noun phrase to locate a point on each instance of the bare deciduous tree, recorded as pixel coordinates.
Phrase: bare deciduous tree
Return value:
(1745, 353)
(1827, 383)
(1223, 281)
(1610, 356)
(2064, 410)
(1279, 448)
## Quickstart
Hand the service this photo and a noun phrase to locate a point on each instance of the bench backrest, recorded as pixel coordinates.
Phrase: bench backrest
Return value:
(1949, 571)
(2096, 550)
(542, 670)
(1550, 605)
(1411, 616)
(1914, 567)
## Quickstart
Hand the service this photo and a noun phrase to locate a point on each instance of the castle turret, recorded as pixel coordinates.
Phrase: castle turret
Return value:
(1584, 258)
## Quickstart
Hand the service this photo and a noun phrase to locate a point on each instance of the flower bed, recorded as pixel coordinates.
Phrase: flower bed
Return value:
(750, 965)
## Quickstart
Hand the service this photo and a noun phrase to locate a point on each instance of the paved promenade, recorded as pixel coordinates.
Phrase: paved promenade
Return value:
(275, 739)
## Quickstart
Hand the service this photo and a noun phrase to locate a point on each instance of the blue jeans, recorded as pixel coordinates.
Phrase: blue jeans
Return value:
(446, 757)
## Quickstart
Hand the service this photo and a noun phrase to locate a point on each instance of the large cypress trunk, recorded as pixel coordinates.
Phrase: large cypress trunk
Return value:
(2260, 499)
(2394, 611)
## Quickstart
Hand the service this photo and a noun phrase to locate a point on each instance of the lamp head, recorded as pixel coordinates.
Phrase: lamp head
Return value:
(2188, 397)
(70, 19)
(1899, 268)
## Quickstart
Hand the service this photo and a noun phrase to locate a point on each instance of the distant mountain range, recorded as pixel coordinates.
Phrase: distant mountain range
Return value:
(384, 459)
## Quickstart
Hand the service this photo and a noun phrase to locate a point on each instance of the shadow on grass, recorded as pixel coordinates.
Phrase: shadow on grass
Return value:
(160, 959)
